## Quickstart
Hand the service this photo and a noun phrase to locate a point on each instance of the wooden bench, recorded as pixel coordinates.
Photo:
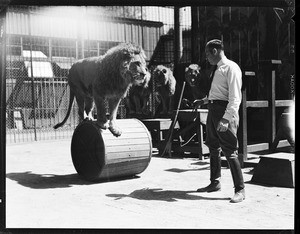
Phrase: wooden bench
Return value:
(194, 122)
(158, 127)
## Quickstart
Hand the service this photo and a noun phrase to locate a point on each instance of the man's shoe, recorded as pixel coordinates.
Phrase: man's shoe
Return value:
(238, 196)
(212, 187)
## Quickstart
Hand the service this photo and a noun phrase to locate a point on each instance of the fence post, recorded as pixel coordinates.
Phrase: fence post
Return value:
(194, 35)
(33, 93)
(242, 130)
(2, 116)
(178, 37)
(271, 66)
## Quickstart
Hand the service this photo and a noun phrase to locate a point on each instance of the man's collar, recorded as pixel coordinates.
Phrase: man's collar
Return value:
(222, 61)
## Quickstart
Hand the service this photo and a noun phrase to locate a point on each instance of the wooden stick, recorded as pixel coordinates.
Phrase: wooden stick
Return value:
(171, 129)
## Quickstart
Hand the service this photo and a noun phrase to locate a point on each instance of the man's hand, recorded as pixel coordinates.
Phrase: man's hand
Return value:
(199, 102)
(223, 125)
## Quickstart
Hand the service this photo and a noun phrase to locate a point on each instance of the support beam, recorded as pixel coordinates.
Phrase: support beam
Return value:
(194, 31)
(242, 130)
(177, 36)
(271, 66)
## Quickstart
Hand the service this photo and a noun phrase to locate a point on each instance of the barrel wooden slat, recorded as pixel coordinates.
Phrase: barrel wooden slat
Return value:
(126, 135)
(113, 157)
(127, 141)
(97, 154)
(123, 169)
(124, 148)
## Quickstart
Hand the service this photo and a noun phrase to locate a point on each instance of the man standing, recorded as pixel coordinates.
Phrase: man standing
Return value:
(224, 99)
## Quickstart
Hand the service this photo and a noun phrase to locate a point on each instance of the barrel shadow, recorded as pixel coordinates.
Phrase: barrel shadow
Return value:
(163, 195)
(48, 181)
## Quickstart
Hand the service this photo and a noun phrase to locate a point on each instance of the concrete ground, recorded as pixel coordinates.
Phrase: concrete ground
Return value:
(44, 191)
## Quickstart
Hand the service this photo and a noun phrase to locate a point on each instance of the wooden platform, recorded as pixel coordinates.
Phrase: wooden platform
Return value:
(158, 128)
(276, 169)
(189, 122)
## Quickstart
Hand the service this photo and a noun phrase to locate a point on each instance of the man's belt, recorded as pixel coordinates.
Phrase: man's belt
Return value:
(218, 102)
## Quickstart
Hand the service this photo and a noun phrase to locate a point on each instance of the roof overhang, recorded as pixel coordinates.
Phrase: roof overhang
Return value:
(232, 3)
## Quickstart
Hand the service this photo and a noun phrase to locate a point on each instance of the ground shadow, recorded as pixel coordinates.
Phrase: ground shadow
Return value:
(200, 163)
(163, 195)
(48, 181)
(178, 170)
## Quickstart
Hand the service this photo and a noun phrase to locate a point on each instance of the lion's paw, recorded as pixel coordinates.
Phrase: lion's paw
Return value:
(103, 125)
(116, 131)
(88, 119)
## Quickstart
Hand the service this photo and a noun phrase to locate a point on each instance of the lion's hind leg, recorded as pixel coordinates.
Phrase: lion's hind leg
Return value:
(88, 109)
(113, 107)
(80, 104)
(101, 113)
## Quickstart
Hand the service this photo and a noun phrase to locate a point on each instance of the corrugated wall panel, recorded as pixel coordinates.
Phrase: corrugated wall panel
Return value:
(17, 23)
(121, 32)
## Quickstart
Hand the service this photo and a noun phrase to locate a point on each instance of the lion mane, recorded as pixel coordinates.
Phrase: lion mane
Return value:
(166, 86)
(108, 77)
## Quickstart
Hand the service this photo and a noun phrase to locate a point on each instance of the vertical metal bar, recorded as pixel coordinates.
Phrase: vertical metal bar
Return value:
(33, 93)
(32, 78)
(240, 48)
(77, 49)
(142, 28)
(230, 34)
(54, 93)
(221, 19)
(257, 36)
(273, 107)
(194, 51)
(2, 117)
(178, 36)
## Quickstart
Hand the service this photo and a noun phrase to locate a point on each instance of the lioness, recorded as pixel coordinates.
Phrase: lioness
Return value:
(166, 85)
(198, 82)
(137, 101)
(106, 77)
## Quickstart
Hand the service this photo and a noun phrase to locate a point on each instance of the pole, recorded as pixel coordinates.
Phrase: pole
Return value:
(169, 138)
(2, 117)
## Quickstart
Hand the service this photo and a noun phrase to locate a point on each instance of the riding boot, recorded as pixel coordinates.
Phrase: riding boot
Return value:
(236, 172)
(215, 165)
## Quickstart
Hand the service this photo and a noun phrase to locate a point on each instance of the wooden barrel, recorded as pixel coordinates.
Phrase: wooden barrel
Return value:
(97, 154)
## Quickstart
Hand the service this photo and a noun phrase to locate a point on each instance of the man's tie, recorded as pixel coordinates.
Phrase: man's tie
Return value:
(211, 77)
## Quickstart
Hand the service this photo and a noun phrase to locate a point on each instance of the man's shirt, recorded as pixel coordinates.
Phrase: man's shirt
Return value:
(226, 85)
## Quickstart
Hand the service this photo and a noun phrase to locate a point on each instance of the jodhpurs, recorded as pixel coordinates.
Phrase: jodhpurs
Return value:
(225, 141)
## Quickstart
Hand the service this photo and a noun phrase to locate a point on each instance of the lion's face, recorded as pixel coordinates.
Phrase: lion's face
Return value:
(161, 75)
(192, 74)
(139, 73)
(137, 70)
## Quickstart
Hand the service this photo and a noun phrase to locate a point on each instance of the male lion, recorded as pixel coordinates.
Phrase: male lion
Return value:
(106, 77)
(166, 85)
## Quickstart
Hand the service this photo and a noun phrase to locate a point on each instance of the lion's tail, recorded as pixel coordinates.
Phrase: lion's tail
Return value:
(68, 112)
